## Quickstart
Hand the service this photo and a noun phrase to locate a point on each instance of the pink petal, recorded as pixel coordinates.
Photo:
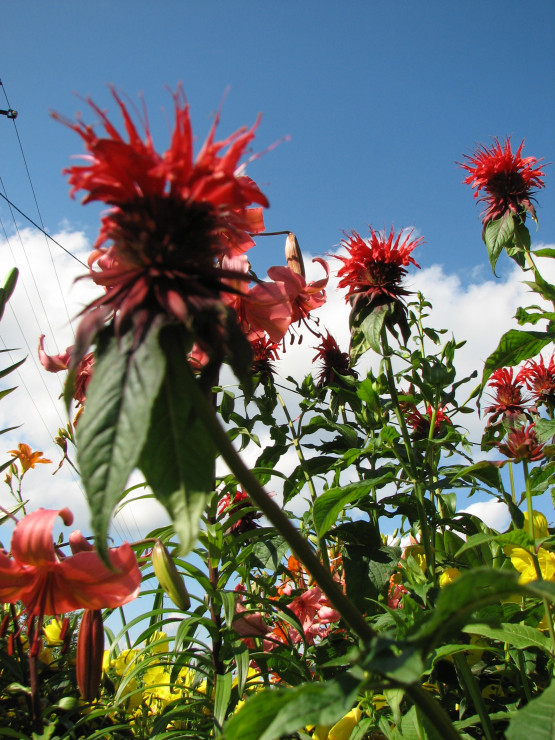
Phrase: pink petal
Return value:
(32, 537)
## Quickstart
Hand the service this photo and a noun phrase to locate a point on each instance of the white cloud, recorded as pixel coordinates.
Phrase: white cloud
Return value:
(46, 297)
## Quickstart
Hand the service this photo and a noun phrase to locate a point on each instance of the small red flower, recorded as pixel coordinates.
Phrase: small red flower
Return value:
(508, 402)
(231, 505)
(334, 361)
(522, 444)
(264, 353)
(507, 180)
(173, 219)
(375, 267)
(420, 423)
(540, 380)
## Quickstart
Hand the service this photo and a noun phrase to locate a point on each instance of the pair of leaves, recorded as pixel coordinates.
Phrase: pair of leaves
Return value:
(271, 714)
(139, 414)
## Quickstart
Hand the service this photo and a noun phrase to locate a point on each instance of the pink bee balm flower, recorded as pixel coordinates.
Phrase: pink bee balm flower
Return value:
(49, 583)
(508, 180)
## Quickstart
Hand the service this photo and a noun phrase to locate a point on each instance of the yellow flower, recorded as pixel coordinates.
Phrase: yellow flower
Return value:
(157, 687)
(419, 555)
(27, 457)
(122, 661)
(540, 525)
(52, 633)
(340, 730)
(163, 643)
(523, 562)
(448, 576)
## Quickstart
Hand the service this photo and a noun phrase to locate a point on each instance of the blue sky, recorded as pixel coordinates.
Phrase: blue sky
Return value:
(379, 99)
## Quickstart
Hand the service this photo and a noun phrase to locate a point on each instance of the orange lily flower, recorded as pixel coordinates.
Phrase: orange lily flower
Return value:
(27, 457)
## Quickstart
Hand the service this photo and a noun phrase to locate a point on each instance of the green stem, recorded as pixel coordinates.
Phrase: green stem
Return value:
(435, 713)
(512, 480)
(425, 538)
(298, 449)
(529, 501)
(471, 686)
(539, 574)
(270, 509)
(523, 676)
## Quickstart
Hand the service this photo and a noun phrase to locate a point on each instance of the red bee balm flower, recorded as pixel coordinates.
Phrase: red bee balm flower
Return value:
(173, 220)
(334, 361)
(49, 583)
(540, 380)
(522, 444)
(507, 179)
(420, 423)
(375, 267)
(508, 402)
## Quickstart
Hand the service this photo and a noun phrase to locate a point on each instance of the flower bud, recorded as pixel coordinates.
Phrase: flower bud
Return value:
(90, 653)
(293, 255)
(169, 577)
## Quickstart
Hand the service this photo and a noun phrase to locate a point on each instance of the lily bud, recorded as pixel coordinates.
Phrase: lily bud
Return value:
(89, 655)
(169, 577)
(293, 255)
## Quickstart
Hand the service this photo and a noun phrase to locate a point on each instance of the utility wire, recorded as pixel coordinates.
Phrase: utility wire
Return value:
(46, 234)
(13, 117)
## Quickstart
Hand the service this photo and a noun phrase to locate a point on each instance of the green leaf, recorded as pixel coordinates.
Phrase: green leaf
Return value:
(269, 553)
(545, 429)
(520, 636)
(11, 368)
(473, 590)
(485, 470)
(497, 234)
(367, 572)
(514, 347)
(270, 714)
(114, 424)
(7, 289)
(401, 663)
(544, 252)
(224, 683)
(178, 456)
(328, 506)
(536, 719)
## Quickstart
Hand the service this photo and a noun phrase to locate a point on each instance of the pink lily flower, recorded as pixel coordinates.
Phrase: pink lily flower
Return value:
(49, 583)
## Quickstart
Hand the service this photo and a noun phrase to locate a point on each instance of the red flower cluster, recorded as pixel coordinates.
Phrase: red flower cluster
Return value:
(420, 423)
(512, 408)
(173, 243)
(376, 267)
(173, 220)
(507, 180)
(230, 505)
(334, 361)
(508, 401)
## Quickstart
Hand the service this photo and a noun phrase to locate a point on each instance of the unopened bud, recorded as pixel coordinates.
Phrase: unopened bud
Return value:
(169, 577)
(89, 655)
(293, 255)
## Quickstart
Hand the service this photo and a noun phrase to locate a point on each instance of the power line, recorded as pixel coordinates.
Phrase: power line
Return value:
(46, 234)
